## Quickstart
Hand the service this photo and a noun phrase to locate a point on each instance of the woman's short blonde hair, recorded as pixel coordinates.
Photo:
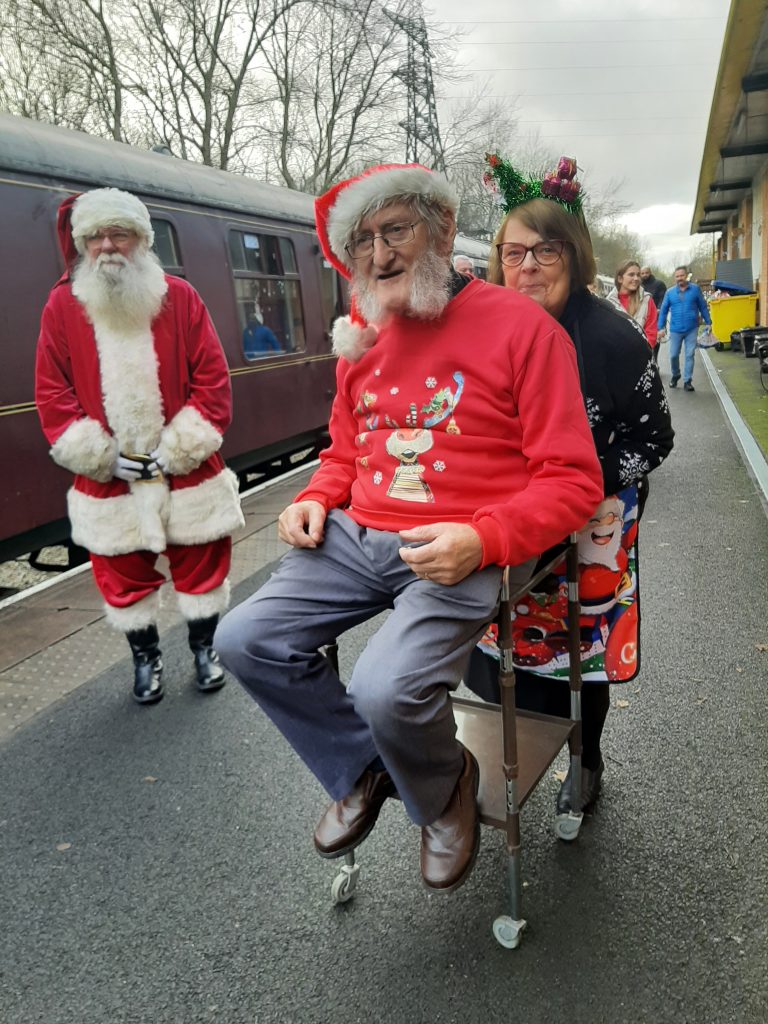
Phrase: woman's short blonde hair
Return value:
(550, 220)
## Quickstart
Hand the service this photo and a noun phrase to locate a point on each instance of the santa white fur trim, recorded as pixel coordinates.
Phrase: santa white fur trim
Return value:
(350, 340)
(132, 522)
(203, 606)
(152, 505)
(130, 386)
(370, 190)
(139, 615)
(85, 447)
(187, 441)
(105, 208)
(205, 512)
(118, 525)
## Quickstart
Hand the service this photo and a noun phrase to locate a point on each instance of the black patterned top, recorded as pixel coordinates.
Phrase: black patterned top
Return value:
(626, 403)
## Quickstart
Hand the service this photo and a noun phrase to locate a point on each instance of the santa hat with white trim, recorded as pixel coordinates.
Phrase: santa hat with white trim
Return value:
(109, 208)
(340, 210)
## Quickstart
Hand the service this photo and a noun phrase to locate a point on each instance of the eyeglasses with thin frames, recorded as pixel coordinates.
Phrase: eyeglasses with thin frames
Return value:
(117, 237)
(545, 253)
(395, 235)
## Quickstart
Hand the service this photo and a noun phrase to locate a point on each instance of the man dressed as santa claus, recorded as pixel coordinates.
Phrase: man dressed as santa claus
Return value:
(133, 395)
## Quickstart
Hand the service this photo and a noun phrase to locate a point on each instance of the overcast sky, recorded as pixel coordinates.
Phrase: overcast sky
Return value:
(625, 88)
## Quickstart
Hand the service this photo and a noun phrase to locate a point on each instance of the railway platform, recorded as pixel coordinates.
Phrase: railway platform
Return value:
(157, 863)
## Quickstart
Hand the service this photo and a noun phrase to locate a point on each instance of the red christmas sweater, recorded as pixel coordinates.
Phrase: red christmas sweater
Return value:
(476, 417)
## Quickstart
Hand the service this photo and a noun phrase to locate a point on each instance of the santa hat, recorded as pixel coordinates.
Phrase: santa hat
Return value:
(340, 210)
(108, 208)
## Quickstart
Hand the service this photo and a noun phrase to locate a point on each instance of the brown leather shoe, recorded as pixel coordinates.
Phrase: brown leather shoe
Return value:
(449, 845)
(347, 822)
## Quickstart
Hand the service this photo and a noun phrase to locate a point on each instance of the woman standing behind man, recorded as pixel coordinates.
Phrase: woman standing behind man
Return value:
(630, 296)
(543, 250)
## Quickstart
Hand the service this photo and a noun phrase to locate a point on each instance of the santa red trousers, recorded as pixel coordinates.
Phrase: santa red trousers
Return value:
(195, 569)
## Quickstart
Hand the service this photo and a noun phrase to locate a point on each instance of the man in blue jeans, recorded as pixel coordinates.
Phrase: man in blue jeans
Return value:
(685, 302)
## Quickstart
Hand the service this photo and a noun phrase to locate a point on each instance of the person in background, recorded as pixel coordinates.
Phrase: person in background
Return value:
(132, 389)
(652, 285)
(459, 444)
(685, 306)
(543, 250)
(629, 295)
(258, 339)
(463, 265)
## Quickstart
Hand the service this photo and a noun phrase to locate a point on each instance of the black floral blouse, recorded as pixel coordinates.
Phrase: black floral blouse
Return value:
(625, 399)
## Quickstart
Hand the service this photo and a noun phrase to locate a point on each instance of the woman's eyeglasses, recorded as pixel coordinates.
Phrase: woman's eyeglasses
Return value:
(545, 253)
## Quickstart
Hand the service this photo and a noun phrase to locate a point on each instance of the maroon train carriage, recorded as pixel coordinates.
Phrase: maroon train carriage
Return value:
(249, 248)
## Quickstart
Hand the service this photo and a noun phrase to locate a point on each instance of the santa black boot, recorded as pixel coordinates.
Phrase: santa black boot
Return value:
(210, 675)
(148, 665)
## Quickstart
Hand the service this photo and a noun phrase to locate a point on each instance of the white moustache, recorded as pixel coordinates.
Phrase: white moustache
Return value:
(108, 262)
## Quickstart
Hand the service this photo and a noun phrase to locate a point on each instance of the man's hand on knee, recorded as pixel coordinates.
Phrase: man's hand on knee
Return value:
(301, 524)
(444, 552)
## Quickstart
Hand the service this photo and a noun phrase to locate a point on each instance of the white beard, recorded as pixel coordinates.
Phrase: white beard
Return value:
(120, 293)
(430, 291)
(121, 298)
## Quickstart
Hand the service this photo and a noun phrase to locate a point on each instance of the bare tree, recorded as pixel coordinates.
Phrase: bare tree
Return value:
(477, 126)
(82, 40)
(197, 73)
(300, 91)
(42, 78)
(334, 68)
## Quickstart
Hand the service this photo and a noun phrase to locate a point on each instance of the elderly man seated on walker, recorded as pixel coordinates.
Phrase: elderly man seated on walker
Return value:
(459, 444)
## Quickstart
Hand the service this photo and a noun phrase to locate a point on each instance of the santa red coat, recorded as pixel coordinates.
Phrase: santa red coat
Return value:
(100, 392)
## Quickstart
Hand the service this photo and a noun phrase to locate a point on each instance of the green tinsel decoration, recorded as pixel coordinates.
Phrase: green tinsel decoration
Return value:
(512, 188)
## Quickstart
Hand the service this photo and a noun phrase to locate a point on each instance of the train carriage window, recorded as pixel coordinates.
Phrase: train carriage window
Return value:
(268, 294)
(166, 246)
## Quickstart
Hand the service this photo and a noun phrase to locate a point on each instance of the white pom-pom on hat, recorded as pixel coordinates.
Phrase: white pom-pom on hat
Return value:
(352, 339)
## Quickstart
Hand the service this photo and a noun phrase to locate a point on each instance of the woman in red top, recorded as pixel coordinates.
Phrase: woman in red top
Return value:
(630, 296)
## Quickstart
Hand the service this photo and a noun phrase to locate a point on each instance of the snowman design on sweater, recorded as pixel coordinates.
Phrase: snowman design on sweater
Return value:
(406, 443)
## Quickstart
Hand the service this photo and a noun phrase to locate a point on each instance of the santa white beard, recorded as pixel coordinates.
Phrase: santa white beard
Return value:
(430, 291)
(119, 292)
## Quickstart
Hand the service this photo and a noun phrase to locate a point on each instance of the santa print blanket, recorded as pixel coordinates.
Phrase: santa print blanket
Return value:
(609, 624)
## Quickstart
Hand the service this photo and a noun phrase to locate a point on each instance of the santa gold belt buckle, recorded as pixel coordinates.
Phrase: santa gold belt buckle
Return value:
(147, 477)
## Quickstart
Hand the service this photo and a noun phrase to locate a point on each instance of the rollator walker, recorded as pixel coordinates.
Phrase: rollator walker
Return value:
(513, 748)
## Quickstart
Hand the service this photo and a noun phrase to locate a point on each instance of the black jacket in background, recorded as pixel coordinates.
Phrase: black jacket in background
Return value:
(655, 289)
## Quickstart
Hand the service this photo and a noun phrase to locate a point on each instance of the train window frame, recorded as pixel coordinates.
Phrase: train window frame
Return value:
(340, 300)
(176, 269)
(279, 250)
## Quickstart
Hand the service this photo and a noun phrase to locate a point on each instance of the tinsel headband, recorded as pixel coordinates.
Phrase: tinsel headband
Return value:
(510, 188)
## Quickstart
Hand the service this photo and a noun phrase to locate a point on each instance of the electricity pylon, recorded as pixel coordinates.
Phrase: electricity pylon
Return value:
(422, 130)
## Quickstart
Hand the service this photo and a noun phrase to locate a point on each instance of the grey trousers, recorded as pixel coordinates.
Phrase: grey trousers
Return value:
(396, 704)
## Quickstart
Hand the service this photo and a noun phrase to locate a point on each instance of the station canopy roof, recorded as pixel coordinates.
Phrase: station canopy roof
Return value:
(736, 145)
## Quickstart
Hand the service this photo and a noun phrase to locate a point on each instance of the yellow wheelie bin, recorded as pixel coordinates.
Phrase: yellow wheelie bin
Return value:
(731, 314)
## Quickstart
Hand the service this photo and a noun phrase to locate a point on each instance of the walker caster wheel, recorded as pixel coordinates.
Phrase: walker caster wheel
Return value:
(344, 884)
(507, 931)
(718, 346)
(567, 826)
